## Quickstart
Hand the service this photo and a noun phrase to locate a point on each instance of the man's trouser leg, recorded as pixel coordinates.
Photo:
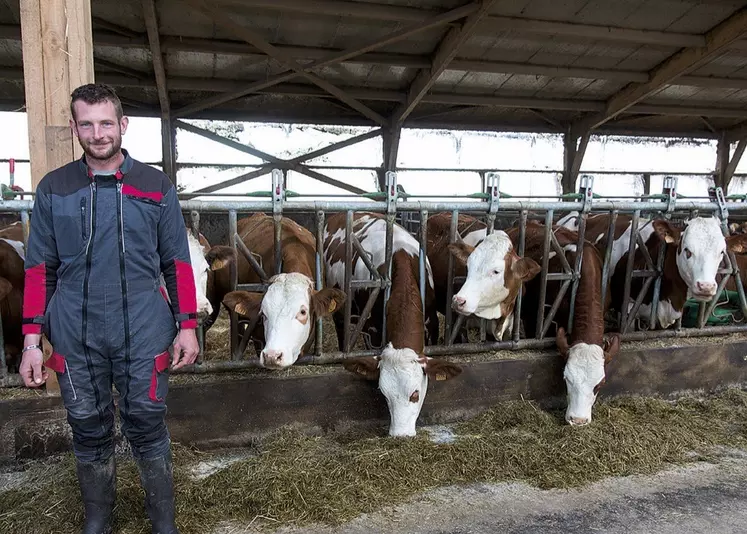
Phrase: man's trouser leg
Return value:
(85, 379)
(141, 376)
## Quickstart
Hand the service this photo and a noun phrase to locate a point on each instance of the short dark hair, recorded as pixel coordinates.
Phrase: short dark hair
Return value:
(95, 93)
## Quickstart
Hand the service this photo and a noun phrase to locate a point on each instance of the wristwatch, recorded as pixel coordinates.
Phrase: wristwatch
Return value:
(31, 347)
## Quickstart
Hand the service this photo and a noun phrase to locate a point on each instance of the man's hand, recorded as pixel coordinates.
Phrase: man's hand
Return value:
(31, 368)
(186, 348)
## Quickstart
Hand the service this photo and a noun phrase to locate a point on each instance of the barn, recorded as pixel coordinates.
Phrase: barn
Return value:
(666, 316)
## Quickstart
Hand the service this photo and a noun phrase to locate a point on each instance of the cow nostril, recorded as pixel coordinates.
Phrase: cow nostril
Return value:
(459, 302)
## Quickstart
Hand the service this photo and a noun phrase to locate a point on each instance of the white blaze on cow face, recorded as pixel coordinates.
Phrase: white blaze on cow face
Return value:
(584, 372)
(701, 248)
(200, 270)
(403, 379)
(286, 310)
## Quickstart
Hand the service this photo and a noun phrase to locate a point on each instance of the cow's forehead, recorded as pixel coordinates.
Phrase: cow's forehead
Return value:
(493, 249)
(585, 364)
(289, 287)
(703, 235)
(391, 357)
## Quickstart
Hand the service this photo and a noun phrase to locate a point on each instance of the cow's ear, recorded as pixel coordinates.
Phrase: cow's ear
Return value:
(439, 369)
(524, 268)
(5, 287)
(327, 301)
(611, 347)
(244, 303)
(220, 256)
(737, 243)
(562, 342)
(666, 231)
(461, 251)
(367, 367)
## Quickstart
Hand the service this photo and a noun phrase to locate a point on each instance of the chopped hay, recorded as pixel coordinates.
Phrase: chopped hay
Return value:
(300, 479)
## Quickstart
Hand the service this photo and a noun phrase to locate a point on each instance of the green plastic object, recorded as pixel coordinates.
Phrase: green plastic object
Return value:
(722, 314)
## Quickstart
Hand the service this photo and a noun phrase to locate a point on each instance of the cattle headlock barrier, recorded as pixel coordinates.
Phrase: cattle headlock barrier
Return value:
(497, 211)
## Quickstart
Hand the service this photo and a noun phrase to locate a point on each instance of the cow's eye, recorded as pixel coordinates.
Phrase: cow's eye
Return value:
(496, 271)
(303, 312)
(688, 254)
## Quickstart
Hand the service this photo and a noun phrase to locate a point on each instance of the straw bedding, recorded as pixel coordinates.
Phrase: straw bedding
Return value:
(294, 478)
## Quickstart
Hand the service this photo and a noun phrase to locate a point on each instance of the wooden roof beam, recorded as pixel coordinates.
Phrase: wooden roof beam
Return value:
(329, 59)
(716, 39)
(445, 51)
(287, 61)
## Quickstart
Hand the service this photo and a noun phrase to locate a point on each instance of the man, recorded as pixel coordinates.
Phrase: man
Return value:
(103, 229)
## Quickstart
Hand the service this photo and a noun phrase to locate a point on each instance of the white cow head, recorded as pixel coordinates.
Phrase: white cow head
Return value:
(494, 276)
(584, 374)
(288, 310)
(700, 248)
(403, 379)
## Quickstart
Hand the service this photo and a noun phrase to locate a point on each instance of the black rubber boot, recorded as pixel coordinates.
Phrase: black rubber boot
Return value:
(97, 482)
(156, 475)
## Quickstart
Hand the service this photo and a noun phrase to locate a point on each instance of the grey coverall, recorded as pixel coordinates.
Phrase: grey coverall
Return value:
(97, 246)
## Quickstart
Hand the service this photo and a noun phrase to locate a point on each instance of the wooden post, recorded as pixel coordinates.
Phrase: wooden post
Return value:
(57, 58)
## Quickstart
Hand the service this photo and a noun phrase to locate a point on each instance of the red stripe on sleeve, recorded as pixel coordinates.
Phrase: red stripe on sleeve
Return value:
(34, 296)
(185, 287)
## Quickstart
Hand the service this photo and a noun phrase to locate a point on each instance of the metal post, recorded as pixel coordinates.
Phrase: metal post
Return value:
(422, 259)
(234, 318)
(629, 270)
(319, 282)
(517, 307)
(391, 212)
(586, 187)
(450, 277)
(348, 278)
(545, 267)
(278, 193)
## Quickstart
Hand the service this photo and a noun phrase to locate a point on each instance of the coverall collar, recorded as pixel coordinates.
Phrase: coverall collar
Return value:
(123, 169)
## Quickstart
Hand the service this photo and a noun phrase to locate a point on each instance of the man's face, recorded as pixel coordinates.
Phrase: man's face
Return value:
(98, 129)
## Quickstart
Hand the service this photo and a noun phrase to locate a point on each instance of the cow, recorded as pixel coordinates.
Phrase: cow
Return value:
(590, 351)
(692, 256)
(289, 308)
(401, 370)
(495, 274)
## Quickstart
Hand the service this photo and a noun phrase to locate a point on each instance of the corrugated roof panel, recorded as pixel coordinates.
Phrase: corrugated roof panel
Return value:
(128, 13)
(552, 10)
(482, 82)
(605, 13)
(658, 14)
(522, 83)
(704, 16)
(563, 88)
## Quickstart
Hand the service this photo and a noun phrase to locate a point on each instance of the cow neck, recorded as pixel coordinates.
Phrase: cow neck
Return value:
(673, 286)
(296, 258)
(404, 313)
(588, 313)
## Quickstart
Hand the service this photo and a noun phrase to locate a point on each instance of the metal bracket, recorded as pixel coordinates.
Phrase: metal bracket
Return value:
(716, 195)
(585, 189)
(278, 194)
(493, 180)
(669, 190)
(392, 193)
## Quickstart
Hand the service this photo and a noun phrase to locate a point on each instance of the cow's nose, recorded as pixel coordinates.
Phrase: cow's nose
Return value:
(578, 421)
(706, 288)
(272, 358)
(458, 302)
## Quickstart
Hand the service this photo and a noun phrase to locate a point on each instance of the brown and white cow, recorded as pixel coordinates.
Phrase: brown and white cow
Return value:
(291, 305)
(589, 351)
(401, 370)
(495, 274)
(692, 258)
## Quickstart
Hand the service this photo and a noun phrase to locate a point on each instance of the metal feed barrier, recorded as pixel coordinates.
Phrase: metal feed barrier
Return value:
(493, 207)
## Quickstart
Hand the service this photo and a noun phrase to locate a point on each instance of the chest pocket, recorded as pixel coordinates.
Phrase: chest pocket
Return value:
(141, 215)
(71, 219)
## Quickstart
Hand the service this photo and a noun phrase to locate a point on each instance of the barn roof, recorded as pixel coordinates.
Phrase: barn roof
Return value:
(652, 67)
